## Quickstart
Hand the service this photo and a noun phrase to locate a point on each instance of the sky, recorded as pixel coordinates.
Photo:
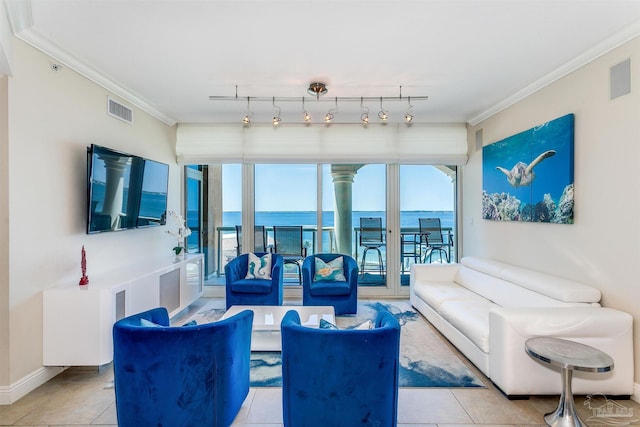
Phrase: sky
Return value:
(422, 187)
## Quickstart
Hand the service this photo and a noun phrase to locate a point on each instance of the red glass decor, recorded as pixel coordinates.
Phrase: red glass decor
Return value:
(84, 280)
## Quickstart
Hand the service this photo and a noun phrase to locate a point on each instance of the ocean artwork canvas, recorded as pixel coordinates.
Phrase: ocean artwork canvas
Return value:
(528, 177)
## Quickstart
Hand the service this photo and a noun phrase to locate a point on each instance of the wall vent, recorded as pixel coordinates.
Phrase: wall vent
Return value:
(119, 111)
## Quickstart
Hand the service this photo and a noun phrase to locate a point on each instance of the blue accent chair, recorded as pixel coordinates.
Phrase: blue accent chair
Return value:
(337, 378)
(343, 296)
(241, 291)
(180, 376)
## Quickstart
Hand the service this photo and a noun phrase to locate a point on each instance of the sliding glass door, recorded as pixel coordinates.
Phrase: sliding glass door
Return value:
(427, 195)
(368, 211)
(354, 216)
(286, 201)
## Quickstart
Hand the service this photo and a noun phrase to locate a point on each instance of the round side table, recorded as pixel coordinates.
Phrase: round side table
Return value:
(569, 356)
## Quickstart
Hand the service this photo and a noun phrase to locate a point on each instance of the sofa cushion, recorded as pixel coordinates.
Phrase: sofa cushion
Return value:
(471, 317)
(478, 282)
(553, 286)
(436, 293)
(252, 286)
(508, 294)
(488, 266)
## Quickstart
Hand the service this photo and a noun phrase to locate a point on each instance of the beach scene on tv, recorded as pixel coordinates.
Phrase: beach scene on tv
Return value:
(529, 176)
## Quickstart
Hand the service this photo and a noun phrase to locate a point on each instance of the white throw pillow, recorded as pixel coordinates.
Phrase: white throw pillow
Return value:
(259, 267)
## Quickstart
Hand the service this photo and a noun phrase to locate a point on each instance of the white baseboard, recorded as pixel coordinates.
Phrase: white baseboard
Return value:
(10, 394)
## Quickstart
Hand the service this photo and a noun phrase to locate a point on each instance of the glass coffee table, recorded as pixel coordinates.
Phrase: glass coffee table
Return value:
(265, 332)
(569, 356)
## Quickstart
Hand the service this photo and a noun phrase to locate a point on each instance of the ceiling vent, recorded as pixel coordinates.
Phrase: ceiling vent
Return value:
(119, 111)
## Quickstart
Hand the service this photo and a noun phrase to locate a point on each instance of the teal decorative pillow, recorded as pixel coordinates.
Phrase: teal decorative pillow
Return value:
(327, 325)
(259, 267)
(148, 323)
(332, 270)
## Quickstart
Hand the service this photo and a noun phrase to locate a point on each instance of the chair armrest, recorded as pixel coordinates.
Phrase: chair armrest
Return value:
(386, 319)
(291, 318)
(277, 269)
(351, 270)
(233, 271)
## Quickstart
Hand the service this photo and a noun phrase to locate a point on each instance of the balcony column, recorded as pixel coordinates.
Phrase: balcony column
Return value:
(114, 187)
(343, 176)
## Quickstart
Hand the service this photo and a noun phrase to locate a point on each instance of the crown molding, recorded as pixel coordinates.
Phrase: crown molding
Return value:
(20, 16)
(626, 34)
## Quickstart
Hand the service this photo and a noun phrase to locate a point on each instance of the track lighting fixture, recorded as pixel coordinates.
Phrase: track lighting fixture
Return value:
(382, 114)
(329, 116)
(408, 117)
(306, 117)
(276, 120)
(364, 117)
(247, 118)
(318, 89)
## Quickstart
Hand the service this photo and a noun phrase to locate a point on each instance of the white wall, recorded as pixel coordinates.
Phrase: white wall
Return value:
(53, 117)
(4, 234)
(602, 247)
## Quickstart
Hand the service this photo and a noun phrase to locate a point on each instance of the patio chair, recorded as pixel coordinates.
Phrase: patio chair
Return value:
(337, 377)
(371, 237)
(180, 376)
(287, 241)
(259, 239)
(257, 291)
(341, 294)
(431, 239)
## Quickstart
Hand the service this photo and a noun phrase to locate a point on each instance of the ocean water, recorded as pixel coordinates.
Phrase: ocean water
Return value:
(407, 218)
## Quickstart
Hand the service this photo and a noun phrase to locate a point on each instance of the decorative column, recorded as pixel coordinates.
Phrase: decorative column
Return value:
(343, 176)
(114, 187)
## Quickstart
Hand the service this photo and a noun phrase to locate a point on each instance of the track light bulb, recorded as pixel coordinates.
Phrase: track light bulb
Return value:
(246, 120)
(276, 120)
(364, 118)
(382, 115)
(307, 117)
(328, 117)
(408, 118)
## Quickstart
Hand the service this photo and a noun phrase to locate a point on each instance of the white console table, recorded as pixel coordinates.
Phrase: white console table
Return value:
(77, 323)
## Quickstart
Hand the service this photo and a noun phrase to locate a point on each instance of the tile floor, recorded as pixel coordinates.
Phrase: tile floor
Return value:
(84, 397)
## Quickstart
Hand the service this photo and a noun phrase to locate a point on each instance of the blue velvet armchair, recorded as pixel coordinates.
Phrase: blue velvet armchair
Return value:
(337, 378)
(343, 296)
(180, 376)
(241, 291)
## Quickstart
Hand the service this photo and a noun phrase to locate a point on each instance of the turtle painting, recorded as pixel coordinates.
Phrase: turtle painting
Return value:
(522, 174)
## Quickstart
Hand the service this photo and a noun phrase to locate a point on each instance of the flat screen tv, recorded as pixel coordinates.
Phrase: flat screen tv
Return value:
(124, 191)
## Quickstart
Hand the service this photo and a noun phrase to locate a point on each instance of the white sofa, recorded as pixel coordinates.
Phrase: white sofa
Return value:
(488, 309)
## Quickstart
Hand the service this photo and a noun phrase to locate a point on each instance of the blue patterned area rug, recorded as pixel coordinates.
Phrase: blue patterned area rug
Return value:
(425, 358)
